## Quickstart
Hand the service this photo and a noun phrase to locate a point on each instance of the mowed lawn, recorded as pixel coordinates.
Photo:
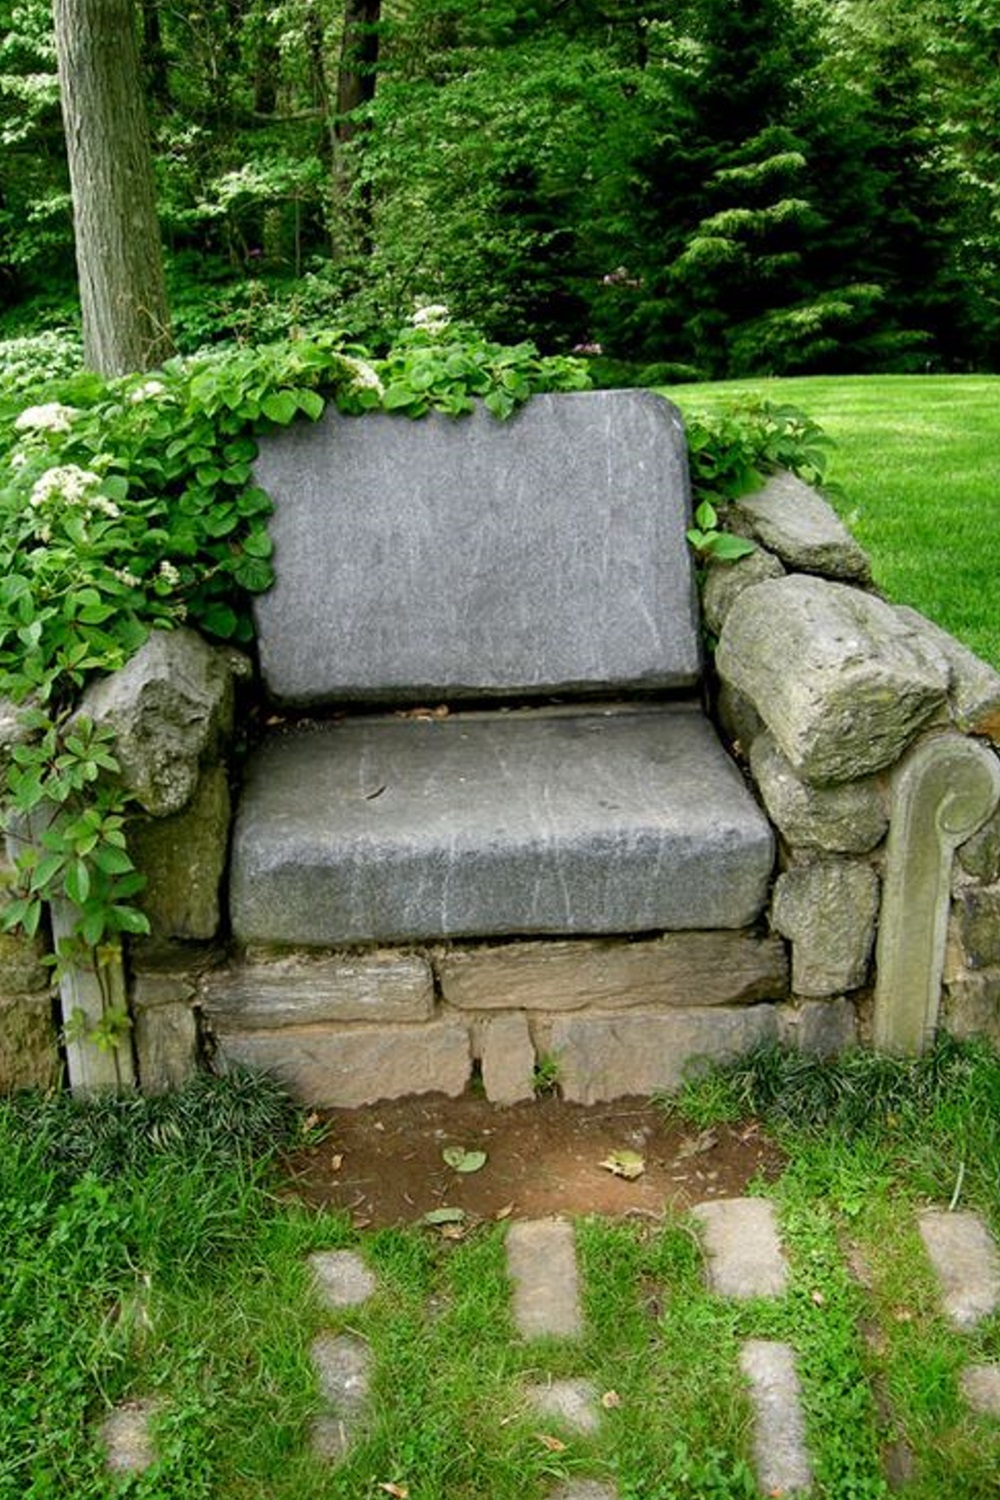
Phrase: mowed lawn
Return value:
(917, 476)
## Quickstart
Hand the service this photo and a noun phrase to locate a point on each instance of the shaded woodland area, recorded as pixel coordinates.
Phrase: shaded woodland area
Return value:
(693, 188)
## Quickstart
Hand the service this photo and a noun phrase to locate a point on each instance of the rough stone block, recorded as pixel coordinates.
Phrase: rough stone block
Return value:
(803, 530)
(480, 557)
(183, 858)
(976, 913)
(823, 1027)
(827, 911)
(726, 581)
(508, 1058)
(974, 686)
(169, 706)
(680, 969)
(972, 1006)
(606, 1056)
(166, 1045)
(29, 1058)
(406, 830)
(346, 1066)
(842, 682)
(846, 819)
(301, 989)
(979, 856)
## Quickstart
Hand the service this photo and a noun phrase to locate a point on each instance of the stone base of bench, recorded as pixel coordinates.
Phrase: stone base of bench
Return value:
(602, 1018)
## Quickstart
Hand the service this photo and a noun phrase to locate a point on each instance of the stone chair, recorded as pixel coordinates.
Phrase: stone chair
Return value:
(491, 826)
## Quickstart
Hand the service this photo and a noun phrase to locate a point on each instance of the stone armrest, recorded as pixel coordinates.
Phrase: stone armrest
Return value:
(871, 736)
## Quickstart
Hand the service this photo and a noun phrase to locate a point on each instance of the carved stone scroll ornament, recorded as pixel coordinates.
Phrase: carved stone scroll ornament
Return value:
(943, 791)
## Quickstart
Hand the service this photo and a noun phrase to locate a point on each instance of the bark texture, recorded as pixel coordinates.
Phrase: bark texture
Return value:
(118, 252)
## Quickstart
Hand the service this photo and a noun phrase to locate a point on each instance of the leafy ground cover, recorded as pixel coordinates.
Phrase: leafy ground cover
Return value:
(149, 1255)
(916, 474)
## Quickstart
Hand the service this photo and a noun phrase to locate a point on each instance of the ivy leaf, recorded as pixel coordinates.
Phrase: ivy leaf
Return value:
(461, 1160)
(280, 407)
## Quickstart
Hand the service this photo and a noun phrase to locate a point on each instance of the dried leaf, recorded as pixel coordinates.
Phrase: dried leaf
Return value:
(697, 1145)
(461, 1160)
(610, 1400)
(435, 1217)
(399, 1490)
(627, 1164)
(818, 1298)
(554, 1444)
(336, 1161)
(505, 1212)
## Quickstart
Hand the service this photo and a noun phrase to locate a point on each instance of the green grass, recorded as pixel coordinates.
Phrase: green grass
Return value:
(169, 1268)
(917, 465)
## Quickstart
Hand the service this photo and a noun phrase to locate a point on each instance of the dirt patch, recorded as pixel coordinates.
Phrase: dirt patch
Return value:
(384, 1165)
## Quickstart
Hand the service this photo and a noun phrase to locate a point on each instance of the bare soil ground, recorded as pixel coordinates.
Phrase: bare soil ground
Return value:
(384, 1164)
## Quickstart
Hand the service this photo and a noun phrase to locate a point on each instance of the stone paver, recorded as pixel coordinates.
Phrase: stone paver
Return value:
(574, 1403)
(744, 1252)
(980, 1385)
(541, 1262)
(779, 1445)
(582, 1489)
(966, 1264)
(343, 1371)
(342, 1279)
(125, 1433)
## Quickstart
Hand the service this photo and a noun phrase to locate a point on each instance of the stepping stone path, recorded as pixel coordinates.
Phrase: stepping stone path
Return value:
(342, 1362)
(966, 1264)
(744, 1259)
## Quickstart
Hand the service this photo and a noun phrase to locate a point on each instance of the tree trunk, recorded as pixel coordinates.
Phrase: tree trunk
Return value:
(118, 253)
(358, 62)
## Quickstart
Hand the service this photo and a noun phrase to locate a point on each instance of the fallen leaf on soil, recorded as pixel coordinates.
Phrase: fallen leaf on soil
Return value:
(627, 1164)
(695, 1147)
(610, 1400)
(336, 1161)
(361, 1221)
(461, 1160)
(554, 1444)
(505, 1212)
(435, 1217)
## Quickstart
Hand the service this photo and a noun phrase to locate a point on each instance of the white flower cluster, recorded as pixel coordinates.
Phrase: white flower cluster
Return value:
(169, 573)
(432, 319)
(365, 378)
(73, 486)
(149, 390)
(53, 417)
(128, 578)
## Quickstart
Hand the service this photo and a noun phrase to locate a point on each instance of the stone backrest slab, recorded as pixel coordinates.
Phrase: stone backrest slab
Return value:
(474, 558)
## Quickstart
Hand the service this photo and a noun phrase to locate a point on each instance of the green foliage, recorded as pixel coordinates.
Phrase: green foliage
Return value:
(729, 453)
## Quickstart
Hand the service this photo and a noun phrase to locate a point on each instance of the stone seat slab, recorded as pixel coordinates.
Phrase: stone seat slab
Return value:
(397, 829)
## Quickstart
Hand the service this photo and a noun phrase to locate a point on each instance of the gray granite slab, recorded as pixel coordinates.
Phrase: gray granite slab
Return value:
(780, 1455)
(541, 1262)
(745, 1258)
(477, 557)
(966, 1263)
(401, 829)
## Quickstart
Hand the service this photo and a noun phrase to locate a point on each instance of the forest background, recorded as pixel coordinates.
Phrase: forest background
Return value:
(682, 188)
